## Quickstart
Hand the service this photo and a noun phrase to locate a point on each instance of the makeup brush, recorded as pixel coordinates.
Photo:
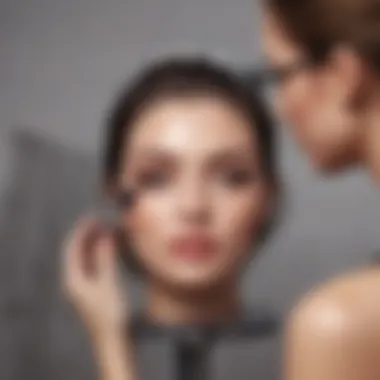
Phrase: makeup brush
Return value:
(108, 221)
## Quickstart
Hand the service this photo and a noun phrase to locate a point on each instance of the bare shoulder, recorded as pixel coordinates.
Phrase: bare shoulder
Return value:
(334, 331)
(346, 302)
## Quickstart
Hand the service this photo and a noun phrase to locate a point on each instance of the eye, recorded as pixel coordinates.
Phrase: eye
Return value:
(237, 177)
(153, 178)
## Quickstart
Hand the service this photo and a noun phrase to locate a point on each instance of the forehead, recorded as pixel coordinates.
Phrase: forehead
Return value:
(188, 125)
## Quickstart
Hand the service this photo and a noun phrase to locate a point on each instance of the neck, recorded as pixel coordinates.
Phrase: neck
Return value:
(177, 308)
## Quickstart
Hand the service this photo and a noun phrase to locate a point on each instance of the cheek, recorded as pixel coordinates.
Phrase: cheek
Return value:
(299, 104)
(148, 226)
(240, 221)
(294, 99)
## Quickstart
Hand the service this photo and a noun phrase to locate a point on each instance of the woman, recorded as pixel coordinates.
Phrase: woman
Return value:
(326, 57)
(196, 149)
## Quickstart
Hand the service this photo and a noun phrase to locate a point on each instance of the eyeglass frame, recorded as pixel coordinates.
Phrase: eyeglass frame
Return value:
(264, 76)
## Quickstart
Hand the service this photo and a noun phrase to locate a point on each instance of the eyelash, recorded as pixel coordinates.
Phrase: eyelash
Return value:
(237, 177)
(155, 179)
(152, 179)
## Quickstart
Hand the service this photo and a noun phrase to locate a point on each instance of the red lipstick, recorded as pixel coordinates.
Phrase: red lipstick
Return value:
(194, 247)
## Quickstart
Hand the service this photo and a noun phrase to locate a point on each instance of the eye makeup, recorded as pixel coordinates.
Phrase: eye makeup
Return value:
(230, 168)
(235, 170)
(236, 177)
(153, 178)
(155, 172)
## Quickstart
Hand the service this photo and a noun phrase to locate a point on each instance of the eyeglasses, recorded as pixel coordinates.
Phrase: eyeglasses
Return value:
(264, 76)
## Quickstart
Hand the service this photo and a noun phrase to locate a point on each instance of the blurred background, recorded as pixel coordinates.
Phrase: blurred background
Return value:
(60, 62)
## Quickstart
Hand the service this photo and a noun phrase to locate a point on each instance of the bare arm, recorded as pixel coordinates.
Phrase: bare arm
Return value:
(115, 359)
(330, 337)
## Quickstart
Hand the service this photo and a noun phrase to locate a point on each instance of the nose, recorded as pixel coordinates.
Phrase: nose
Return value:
(194, 203)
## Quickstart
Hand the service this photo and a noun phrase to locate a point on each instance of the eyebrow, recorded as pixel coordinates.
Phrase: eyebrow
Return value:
(231, 155)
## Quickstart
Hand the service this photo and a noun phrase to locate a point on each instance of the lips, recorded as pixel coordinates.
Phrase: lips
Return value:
(194, 247)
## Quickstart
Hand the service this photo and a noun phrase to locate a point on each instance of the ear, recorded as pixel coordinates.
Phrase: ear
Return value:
(347, 75)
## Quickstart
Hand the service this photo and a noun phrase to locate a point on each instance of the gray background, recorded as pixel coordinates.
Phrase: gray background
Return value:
(59, 63)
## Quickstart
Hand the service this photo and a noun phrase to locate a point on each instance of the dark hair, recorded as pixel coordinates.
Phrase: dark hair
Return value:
(185, 77)
(319, 25)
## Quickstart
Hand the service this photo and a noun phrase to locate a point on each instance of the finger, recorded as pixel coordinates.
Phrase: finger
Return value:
(106, 265)
(74, 251)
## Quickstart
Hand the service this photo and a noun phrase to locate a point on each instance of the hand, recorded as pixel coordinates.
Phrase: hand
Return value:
(90, 279)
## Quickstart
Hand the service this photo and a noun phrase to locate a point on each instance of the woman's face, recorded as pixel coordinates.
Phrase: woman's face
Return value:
(202, 193)
(313, 100)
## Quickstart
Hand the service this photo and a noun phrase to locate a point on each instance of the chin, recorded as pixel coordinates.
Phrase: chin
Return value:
(197, 283)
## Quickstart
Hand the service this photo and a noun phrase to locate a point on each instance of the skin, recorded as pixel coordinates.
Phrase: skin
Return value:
(333, 111)
(195, 164)
(198, 170)
(99, 300)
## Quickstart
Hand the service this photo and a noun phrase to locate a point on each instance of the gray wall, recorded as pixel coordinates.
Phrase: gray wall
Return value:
(60, 60)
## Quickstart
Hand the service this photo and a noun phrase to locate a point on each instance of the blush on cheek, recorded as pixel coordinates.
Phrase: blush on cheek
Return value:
(288, 108)
(292, 109)
(295, 95)
(150, 221)
(246, 223)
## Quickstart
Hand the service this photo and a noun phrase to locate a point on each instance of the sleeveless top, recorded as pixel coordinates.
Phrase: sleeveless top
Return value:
(246, 348)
